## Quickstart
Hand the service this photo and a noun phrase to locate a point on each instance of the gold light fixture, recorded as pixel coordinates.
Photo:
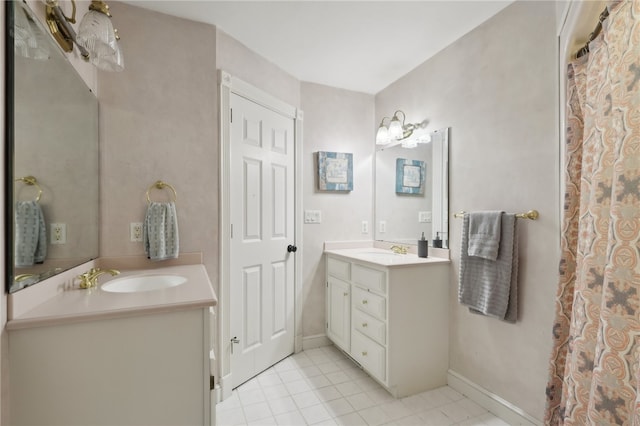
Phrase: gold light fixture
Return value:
(96, 40)
(397, 131)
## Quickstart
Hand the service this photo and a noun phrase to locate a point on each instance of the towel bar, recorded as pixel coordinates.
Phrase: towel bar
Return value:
(31, 180)
(531, 214)
(161, 185)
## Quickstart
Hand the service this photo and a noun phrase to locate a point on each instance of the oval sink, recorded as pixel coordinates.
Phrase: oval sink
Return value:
(140, 283)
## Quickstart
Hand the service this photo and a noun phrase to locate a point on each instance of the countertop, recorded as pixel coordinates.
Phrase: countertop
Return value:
(382, 257)
(76, 305)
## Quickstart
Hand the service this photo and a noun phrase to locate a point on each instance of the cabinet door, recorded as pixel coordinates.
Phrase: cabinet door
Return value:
(339, 312)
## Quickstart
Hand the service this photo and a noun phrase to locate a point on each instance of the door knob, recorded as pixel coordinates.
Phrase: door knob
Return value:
(292, 248)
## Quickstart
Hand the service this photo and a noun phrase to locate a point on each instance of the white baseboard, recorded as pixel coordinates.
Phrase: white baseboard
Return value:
(315, 341)
(492, 402)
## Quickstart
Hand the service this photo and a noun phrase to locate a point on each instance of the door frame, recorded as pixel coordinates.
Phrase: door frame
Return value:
(228, 84)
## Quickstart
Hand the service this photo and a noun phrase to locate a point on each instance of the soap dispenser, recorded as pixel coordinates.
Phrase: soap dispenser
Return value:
(437, 242)
(423, 247)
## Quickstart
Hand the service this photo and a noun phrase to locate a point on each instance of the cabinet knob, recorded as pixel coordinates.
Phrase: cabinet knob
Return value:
(364, 324)
(364, 353)
(365, 301)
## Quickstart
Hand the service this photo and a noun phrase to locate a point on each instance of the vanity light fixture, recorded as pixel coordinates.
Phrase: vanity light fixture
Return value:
(396, 132)
(96, 40)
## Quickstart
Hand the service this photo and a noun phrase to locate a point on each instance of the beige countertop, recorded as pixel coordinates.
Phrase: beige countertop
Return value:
(383, 257)
(76, 305)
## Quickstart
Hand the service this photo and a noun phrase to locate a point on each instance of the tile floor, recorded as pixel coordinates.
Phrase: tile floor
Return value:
(323, 387)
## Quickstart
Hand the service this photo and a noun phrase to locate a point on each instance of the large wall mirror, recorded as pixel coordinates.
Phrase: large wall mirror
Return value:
(411, 195)
(53, 174)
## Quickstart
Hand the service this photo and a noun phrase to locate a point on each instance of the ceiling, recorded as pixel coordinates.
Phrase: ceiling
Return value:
(358, 45)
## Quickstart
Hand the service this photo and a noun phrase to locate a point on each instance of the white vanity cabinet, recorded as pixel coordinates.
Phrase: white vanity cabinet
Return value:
(150, 369)
(392, 320)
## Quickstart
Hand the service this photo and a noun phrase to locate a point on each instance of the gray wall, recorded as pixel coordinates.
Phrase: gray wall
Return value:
(159, 121)
(340, 121)
(496, 88)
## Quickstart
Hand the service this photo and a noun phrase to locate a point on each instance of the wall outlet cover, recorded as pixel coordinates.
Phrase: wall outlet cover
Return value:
(58, 233)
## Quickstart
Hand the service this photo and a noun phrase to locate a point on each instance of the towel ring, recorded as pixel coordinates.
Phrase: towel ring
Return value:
(32, 181)
(162, 185)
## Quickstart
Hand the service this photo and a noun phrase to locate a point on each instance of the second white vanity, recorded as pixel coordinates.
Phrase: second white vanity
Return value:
(100, 357)
(389, 313)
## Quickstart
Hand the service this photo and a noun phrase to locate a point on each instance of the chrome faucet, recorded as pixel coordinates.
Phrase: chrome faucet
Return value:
(90, 278)
(399, 249)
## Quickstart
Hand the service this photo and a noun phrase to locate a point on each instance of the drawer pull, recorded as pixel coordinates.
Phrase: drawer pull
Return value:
(364, 324)
(365, 301)
(364, 353)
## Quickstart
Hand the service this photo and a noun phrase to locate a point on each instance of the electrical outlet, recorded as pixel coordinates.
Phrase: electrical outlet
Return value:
(382, 226)
(135, 231)
(58, 233)
(365, 227)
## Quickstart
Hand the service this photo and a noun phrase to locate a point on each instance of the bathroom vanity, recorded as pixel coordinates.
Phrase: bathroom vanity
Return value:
(389, 313)
(111, 358)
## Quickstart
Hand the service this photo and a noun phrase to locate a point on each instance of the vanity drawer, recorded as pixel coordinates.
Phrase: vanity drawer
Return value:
(338, 268)
(369, 326)
(374, 279)
(370, 303)
(370, 355)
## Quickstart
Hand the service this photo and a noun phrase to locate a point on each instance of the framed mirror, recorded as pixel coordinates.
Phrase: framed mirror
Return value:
(52, 163)
(412, 191)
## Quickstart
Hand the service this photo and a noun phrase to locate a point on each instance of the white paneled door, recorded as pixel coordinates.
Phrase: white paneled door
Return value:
(262, 239)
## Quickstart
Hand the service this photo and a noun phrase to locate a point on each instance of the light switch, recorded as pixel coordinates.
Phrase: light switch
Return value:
(312, 216)
(424, 217)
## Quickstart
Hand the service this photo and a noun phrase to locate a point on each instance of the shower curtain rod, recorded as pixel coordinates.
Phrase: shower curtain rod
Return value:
(585, 49)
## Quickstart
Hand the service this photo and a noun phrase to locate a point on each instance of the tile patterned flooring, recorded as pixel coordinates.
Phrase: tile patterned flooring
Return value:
(323, 387)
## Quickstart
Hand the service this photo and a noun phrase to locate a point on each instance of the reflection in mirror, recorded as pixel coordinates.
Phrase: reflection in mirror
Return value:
(405, 205)
(55, 158)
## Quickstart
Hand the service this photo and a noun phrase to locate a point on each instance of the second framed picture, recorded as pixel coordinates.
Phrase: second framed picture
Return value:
(410, 176)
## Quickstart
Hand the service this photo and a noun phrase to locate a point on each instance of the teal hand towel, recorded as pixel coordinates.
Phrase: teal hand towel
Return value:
(30, 234)
(160, 231)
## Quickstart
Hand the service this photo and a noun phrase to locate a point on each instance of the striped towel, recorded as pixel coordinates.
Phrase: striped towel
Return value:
(491, 287)
(160, 231)
(30, 234)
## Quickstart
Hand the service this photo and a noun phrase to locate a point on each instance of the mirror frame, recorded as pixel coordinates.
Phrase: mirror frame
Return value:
(84, 100)
(443, 159)
(9, 135)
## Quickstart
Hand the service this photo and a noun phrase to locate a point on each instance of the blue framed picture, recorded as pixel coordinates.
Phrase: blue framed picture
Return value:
(410, 176)
(335, 171)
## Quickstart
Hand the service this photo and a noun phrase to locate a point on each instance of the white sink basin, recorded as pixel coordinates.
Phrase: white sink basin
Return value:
(140, 283)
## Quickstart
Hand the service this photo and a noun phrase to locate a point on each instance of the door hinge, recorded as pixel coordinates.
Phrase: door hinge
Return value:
(231, 230)
(212, 382)
(231, 114)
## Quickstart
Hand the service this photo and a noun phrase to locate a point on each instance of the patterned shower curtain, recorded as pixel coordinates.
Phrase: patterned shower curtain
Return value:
(594, 368)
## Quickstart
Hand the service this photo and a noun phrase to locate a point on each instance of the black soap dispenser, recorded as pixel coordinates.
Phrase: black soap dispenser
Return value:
(423, 247)
(437, 242)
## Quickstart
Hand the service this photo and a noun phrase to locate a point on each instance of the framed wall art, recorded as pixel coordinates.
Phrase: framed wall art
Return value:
(335, 171)
(410, 176)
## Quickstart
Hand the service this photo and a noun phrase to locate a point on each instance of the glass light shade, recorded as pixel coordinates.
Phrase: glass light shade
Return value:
(96, 34)
(409, 143)
(395, 129)
(382, 137)
(28, 40)
(114, 63)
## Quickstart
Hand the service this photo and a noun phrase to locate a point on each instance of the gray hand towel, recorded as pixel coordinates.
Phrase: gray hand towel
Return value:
(160, 231)
(30, 234)
(484, 234)
(491, 287)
